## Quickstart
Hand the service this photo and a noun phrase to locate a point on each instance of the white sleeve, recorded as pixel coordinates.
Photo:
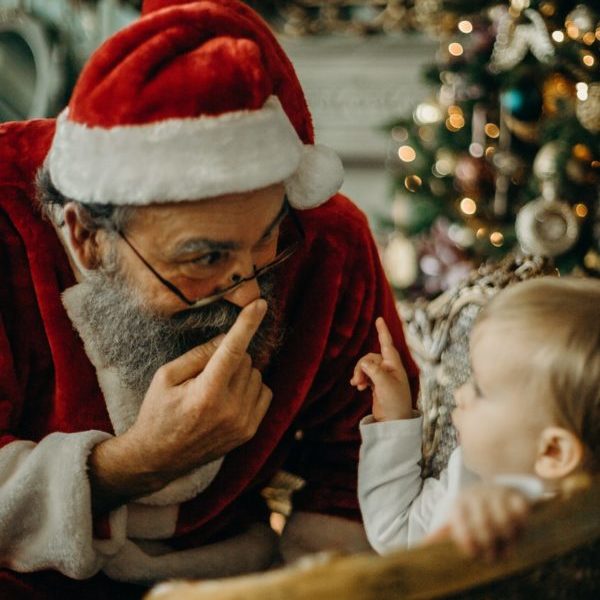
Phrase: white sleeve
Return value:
(396, 504)
(45, 507)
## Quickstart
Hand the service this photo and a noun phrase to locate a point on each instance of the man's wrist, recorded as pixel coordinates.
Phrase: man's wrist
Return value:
(117, 475)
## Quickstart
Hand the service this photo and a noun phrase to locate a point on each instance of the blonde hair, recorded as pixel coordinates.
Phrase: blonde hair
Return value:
(562, 315)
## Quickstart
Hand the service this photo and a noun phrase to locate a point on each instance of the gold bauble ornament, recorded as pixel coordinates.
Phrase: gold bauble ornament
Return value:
(588, 110)
(558, 92)
(528, 131)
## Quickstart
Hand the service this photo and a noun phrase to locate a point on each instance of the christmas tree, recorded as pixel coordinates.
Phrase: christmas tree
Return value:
(505, 154)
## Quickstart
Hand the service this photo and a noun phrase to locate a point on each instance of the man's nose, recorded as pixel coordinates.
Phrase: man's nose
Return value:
(246, 293)
(249, 290)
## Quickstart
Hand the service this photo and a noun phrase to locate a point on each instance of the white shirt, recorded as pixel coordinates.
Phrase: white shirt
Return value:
(400, 508)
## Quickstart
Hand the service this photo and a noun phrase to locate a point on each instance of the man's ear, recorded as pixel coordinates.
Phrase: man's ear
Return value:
(82, 239)
(560, 452)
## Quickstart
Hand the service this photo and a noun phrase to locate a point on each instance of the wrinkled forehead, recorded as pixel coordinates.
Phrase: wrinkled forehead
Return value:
(245, 215)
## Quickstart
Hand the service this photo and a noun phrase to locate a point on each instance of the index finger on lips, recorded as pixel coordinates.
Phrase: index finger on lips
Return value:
(191, 363)
(232, 348)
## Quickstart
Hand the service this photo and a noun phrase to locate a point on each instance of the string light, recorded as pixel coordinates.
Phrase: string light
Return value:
(572, 30)
(492, 130)
(455, 110)
(468, 206)
(496, 239)
(592, 260)
(399, 134)
(490, 151)
(589, 38)
(476, 150)
(455, 49)
(412, 183)
(465, 26)
(588, 60)
(582, 152)
(455, 122)
(581, 210)
(407, 153)
(443, 167)
(481, 233)
(582, 91)
(547, 9)
(558, 36)
(427, 113)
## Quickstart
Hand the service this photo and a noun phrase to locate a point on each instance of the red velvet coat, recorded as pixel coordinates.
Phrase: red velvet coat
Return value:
(331, 291)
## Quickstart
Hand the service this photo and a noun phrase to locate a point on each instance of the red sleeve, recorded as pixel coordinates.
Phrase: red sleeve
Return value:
(13, 354)
(327, 455)
(22, 147)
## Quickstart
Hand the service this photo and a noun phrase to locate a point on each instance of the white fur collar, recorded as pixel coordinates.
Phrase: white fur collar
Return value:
(123, 407)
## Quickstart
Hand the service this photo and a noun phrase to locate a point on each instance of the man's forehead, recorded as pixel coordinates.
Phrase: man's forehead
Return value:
(175, 225)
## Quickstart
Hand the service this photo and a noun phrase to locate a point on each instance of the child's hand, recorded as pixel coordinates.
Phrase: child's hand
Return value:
(385, 374)
(487, 518)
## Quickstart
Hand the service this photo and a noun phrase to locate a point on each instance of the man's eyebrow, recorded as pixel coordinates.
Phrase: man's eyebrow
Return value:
(208, 245)
(283, 211)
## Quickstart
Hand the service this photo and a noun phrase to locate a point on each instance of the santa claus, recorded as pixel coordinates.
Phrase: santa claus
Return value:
(183, 297)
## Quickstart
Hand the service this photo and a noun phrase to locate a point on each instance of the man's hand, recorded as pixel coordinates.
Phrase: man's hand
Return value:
(386, 375)
(197, 408)
(486, 519)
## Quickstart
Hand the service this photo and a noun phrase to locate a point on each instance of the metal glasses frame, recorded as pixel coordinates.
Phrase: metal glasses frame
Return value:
(284, 255)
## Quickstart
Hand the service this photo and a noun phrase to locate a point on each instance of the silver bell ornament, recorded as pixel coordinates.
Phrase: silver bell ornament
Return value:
(545, 163)
(547, 226)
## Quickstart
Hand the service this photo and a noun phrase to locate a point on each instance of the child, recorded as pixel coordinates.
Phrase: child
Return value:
(528, 417)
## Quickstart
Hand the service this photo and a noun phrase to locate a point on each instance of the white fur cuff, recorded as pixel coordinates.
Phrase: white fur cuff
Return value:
(45, 507)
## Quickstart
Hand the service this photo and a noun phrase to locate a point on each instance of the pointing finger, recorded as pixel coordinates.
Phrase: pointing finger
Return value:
(388, 350)
(191, 363)
(231, 350)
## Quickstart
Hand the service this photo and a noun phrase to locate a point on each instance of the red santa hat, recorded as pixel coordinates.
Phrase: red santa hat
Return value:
(195, 99)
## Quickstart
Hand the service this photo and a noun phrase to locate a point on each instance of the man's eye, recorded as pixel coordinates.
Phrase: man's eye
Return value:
(209, 259)
(270, 236)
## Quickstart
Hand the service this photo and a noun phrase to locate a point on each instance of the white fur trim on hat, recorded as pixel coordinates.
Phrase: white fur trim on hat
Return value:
(319, 176)
(189, 159)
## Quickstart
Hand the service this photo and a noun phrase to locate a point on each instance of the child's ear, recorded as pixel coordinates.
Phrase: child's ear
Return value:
(560, 452)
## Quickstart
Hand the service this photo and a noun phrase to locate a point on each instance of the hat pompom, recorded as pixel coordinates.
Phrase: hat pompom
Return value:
(319, 176)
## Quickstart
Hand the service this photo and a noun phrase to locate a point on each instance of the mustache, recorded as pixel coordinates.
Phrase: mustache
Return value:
(136, 341)
(221, 310)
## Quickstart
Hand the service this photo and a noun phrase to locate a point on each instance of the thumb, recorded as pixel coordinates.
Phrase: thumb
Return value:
(191, 363)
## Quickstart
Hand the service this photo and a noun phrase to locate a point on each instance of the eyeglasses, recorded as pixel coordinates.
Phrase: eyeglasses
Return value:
(282, 255)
